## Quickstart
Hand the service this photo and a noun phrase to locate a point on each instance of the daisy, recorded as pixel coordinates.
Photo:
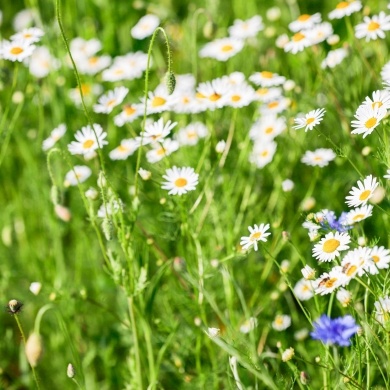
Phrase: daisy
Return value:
(88, 140)
(330, 246)
(275, 106)
(257, 233)
(267, 128)
(368, 119)
(379, 99)
(240, 95)
(362, 193)
(191, 134)
(30, 35)
(160, 150)
(128, 67)
(262, 154)
(222, 49)
(158, 101)
(357, 262)
(156, 131)
(124, 150)
(359, 214)
(308, 272)
(303, 290)
(288, 354)
(248, 325)
(42, 62)
(334, 58)
(93, 65)
(345, 8)
(328, 282)
(220, 147)
(298, 42)
(242, 29)
(344, 297)
(213, 93)
(382, 310)
(320, 32)
(319, 157)
(267, 95)
(55, 135)
(145, 174)
(145, 26)
(81, 48)
(287, 185)
(373, 28)
(79, 174)
(281, 322)
(111, 99)
(17, 50)
(380, 256)
(89, 92)
(310, 120)
(304, 22)
(129, 113)
(180, 180)
(267, 79)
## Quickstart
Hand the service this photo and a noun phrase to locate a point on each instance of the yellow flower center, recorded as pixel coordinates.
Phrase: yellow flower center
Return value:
(160, 152)
(298, 37)
(329, 283)
(264, 154)
(118, 71)
(267, 75)
(372, 26)
(226, 48)
(181, 182)
(309, 120)
(279, 320)
(16, 50)
(129, 110)
(351, 270)
(273, 104)
(88, 143)
(262, 91)
(255, 236)
(192, 135)
(364, 195)
(200, 95)
(158, 101)
(122, 148)
(93, 60)
(342, 5)
(111, 102)
(370, 123)
(330, 245)
(214, 97)
(375, 259)
(358, 217)
(304, 18)
(236, 98)
(85, 89)
(376, 104)
(269, 130)
(27, 35)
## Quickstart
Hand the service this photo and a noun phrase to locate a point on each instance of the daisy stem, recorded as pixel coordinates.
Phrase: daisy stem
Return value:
(86, 112)
(24, 342)
(139, 153)
(331, 300)
(366, 297)
(229, 138)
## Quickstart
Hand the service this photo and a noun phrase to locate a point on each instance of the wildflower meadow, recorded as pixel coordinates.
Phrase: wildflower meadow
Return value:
(194, 195)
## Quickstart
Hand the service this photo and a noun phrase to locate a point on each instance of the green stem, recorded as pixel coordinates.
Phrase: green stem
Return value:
(136, 344)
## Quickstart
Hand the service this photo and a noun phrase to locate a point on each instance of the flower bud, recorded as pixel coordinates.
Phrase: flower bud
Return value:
(70, 371)
(34, 349)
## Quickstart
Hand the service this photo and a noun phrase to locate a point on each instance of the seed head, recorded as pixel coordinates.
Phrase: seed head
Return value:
(14, 306)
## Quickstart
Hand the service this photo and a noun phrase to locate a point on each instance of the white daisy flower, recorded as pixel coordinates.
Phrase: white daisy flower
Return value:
(17, 50)
(79, 174)
(145, 174)
(310, 120)
(129, 113)
(320, 32)
(55, 135)
(267, 95)
(380, 256)
(262, 153)
(368, 119)
(330, 246)
(220, 147)
(42, 62)
(267, 128)
(328, 282)
(304, 22)
(344, 296)
(382, 310)
(345, 8)
(362, 193)
(319, 157)
(145, 26)
(158, 100)
(240, 95)
(93, 65)
(298, 42)
(126, 148)
(267, 79)
(275, 106)
(334, 58)
(373, 28)
(308, 272)
(30, 35)
(88, 140)
(192, 133)
(357, 262)
(303, 290)
(257, 233)
(358, 214)
(281, 322)
(156, 131)
(242, 29)
(161, 150)
(248, 325)
(213, 93)
(380, 98)
(128, 67)
(35, 287)
(222, 49)
(287, 185)
(89, 92)
(111, 99)
(180, 180)
(81, 48)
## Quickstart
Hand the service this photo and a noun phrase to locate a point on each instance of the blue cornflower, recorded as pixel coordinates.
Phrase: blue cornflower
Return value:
(336, 331)
(330, 221)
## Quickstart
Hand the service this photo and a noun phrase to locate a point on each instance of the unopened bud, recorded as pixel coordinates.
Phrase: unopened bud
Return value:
(305, 379)
(107, 229)
(62, 213)
(70, 371)
(14, 306)
(170, 82)
(209, 29)
(34, 349)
